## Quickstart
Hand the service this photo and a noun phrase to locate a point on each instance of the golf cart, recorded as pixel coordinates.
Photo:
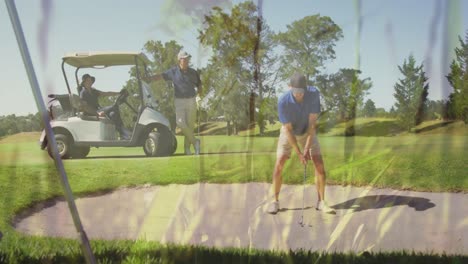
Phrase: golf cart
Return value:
(76, 131)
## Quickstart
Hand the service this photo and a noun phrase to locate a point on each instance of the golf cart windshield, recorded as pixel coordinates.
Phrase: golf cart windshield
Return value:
(148, 97)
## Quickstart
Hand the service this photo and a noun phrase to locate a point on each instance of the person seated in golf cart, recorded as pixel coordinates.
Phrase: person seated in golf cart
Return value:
(90, 96)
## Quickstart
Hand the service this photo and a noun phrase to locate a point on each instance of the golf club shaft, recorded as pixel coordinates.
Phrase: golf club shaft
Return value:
(303, 193)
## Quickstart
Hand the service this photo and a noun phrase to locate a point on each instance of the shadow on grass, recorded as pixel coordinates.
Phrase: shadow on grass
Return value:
(378, 129)
(270, 133)
(384, 201)
(432, 127)
(363, 128)
(176, 155)
(211, 129)
(114, 157)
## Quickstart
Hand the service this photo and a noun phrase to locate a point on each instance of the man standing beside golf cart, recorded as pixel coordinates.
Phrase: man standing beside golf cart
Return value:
(298, 110)
(90, 96)
(187, 84)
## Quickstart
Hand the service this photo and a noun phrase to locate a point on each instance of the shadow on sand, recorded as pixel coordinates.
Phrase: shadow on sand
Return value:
(384, 201)
(376, 202)
(294, 209)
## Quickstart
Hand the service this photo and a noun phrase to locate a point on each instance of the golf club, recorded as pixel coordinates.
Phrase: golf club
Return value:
(303, 194)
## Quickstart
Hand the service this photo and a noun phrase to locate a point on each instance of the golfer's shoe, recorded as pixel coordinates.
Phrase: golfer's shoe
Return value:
(197, 147)
(273, 207)
(323, 207)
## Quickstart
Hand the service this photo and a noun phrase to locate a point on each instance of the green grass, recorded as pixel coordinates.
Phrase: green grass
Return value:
(366, 127)
(151, 252)
(425, 162)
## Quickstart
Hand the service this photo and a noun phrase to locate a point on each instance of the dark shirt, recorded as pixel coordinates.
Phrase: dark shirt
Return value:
(91, 97)
(290, 111)
(184, 81)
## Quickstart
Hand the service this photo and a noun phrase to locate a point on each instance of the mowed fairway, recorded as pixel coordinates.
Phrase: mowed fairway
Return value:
(434, 163)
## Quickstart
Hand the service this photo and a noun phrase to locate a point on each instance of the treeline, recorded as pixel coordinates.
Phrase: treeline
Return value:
(12, 124)
(250, 62)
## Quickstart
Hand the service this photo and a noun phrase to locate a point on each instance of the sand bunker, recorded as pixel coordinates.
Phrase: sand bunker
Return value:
(234, 215)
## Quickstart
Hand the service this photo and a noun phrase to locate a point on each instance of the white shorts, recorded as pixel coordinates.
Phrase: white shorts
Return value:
(284, 148)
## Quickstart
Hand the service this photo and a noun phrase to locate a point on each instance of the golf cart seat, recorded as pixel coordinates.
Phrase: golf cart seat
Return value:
(59, 106)
(82, 110)
(71, 106)
(64, 101)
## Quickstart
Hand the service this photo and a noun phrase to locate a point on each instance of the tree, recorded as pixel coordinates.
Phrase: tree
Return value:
(411, 94)
(307, 44)
(12, 124)
(343, 91)
(458, 79)
(392, 112)
(9, 125)
(380, 112)
(226, 97)
(450, 111)
(369, 109)
(242, 42)
(435, 109)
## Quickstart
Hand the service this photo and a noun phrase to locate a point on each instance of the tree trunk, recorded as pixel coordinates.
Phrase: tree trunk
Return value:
(228, 130)
(252, 110)
(234, 127)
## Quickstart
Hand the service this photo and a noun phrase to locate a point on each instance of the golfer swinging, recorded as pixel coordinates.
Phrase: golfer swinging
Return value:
(298, 110)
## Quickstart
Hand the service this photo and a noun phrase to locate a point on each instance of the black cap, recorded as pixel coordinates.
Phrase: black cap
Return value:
(298, 80)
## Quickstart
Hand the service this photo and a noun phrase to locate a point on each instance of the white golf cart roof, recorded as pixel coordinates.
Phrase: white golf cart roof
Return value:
(103, 59)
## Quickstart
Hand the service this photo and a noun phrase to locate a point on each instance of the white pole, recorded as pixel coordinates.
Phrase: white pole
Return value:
(50, 135)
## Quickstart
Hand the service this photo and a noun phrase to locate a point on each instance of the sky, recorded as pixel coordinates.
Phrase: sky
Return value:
(391, 30)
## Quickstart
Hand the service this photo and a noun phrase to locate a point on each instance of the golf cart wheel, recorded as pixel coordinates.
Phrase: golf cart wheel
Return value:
(63, 146)
(80, 152)
(153, 144)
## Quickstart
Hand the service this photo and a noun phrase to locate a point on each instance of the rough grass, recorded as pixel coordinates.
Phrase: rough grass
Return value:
(149, 252)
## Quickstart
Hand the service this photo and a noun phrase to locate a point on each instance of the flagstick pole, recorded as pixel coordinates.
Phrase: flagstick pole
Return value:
(86, 247)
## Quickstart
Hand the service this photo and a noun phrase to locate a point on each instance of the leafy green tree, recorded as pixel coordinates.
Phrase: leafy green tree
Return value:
(343, 91)
(38, 124)
(411, 94)
(380, 112)
(242, 42)
(226, 97)
(435, 109)
(9, 125)
(328, 87)
(450, 111)
(269, 108)
(392, 112)
(12, 124)
(458, 79)
(369, 109)
(307, 44)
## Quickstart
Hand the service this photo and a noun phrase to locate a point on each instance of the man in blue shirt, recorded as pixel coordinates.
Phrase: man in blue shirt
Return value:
(298, 110)
(185, 80)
